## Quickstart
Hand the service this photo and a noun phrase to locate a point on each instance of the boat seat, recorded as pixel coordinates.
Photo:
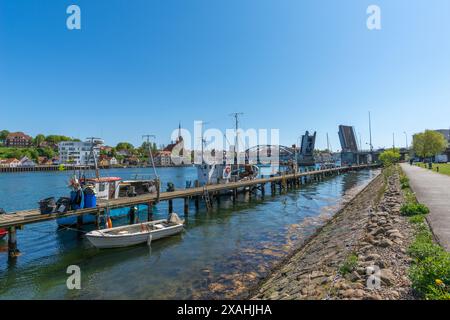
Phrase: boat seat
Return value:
(159, 226)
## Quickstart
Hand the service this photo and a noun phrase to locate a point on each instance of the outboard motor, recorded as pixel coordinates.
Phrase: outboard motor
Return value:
(170, 187)
(47, 206)
(62, 205)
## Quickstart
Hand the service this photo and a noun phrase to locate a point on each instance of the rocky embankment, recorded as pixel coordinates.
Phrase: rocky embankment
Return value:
(359, 254)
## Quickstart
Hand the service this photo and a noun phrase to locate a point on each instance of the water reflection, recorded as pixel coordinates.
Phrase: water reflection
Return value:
(220, 254)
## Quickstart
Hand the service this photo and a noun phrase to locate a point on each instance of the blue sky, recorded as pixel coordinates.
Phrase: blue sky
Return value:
(141, 66)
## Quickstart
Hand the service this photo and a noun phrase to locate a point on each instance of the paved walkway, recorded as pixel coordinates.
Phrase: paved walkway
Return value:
(433, 190)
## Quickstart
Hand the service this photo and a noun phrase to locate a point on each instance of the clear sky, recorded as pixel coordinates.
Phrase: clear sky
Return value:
(141, 66)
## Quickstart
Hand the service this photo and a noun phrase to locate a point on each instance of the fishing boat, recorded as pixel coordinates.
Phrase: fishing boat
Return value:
(3, 233)
(135, 234)
(87, 190)
(217, 170)
(224, 173)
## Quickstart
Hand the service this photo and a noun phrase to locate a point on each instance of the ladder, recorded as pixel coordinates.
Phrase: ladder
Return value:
(206, 198)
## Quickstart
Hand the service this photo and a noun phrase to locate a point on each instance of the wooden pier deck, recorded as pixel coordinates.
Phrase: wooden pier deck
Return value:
(14, 220)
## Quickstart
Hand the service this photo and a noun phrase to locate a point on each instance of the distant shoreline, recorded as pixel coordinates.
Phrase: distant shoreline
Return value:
(69, 167)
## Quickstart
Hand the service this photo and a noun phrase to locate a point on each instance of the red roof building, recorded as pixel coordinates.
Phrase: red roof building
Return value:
(18, 139)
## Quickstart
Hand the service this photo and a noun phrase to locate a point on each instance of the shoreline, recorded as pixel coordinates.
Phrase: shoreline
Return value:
(367, 232)
(69, 168)
(277, 268)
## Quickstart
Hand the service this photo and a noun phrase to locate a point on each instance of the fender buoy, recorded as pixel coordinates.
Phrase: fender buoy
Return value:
(109, 223)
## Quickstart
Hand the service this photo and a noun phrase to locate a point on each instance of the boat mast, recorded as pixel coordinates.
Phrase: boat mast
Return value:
(370, 137)
(92, 154)
(328, 143)
(148, 136)
(236, 149)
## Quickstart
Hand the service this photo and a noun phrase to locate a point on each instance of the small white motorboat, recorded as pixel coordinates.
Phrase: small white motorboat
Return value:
(134, 234)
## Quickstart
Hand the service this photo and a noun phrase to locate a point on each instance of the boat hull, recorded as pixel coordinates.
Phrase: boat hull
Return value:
(119, 241)
(90, 218)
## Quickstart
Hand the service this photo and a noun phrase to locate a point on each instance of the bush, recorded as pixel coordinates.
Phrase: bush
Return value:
(437, 292)
(412, 209)
(349, 264)
(423, 246)
(431, 276)
(389, 157)
(404, 182)
(417, 219)
(430, 272)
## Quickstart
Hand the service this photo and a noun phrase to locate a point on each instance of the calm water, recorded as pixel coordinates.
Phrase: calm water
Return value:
(220, 255)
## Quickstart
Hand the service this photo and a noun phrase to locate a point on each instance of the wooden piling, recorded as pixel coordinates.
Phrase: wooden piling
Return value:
(150, 211)
(97, 220)
(13, 252)
(186, 205)
(79, 221)
(197, 198)
(170, 206)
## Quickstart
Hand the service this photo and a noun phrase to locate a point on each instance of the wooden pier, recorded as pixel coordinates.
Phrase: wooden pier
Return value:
(16, 220)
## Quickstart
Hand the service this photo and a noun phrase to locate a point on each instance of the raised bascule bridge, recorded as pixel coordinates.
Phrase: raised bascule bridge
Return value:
(267, 154)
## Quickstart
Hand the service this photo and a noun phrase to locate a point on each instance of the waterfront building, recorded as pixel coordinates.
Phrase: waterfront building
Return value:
(177, 153)
(106, 161)
(445, 156)
(9, 163)
(44, 161)
(18, 140)
(26, 162)
(163, 158)
(77, 152)
(132, 161)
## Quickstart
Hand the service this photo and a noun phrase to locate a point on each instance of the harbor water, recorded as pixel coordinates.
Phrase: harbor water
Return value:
(221, 254)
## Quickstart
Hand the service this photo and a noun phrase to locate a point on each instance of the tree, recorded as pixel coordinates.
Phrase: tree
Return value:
(55, 139)
(38, 140)
(124, 146)
(46, 152)
(389, 157)
(429, 143)
(3, 135)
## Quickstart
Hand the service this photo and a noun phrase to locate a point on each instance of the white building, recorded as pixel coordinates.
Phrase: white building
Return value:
(77, 153)
(26, 162)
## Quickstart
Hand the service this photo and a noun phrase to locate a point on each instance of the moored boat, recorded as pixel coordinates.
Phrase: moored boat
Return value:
(86, 191)
(135, 234)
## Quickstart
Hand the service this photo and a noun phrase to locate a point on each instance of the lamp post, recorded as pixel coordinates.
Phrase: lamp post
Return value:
(296, 153)
(406, 139)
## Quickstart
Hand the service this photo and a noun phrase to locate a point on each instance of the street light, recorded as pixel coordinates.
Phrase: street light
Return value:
(296, 153)
(406, 137)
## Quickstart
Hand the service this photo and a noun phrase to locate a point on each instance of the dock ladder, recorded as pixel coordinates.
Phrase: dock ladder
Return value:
(206, 198)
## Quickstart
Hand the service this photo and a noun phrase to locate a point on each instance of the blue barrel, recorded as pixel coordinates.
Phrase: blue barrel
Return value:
(73, 195)
(90, 201)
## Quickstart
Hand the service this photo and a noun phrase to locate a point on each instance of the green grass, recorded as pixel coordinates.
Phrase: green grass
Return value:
(30, 152)
(430, 269)
(350, 263)
(444, 168)
(412, 209)
(417, 219)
